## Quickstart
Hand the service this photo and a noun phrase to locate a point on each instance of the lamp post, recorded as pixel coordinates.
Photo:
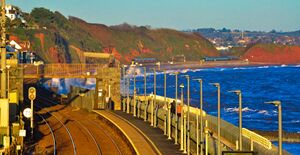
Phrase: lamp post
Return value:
(201, 119)
(165, 102)
(219, 116)
(239, 94)
(128, 101)
(134, 93)
(154, 100)
(181, 118)
(176, 98)
(145, 93)
(188, 113)
(169, 120)
(278, 104)
(124, 85)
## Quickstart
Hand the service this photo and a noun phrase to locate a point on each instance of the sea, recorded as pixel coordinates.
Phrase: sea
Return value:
(258, 84)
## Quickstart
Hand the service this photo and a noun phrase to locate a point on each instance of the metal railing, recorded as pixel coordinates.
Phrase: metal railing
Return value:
(60, 70)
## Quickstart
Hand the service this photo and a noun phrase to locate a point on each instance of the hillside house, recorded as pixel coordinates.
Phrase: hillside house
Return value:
(12, 12)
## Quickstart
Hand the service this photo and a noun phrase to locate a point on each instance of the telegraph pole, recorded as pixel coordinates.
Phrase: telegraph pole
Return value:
(3, 70)
(3, 52)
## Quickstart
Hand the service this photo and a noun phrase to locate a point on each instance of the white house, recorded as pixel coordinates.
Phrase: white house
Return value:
(15, 45)
(11, 12)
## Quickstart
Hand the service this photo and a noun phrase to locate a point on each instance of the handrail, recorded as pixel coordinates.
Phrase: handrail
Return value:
(257, 138)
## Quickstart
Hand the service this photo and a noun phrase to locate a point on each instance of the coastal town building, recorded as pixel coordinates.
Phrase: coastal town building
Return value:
(12, 12)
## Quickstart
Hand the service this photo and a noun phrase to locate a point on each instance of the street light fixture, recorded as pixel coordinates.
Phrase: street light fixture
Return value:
(188, 113)
(219, 116)
(165, 102)
(278, 104)
(201, 119)
(124, 84)
(145, 93)
(134, 92)
(181, 118)
(154, 100)
(176, 98)
(239, 93)
(128, 101)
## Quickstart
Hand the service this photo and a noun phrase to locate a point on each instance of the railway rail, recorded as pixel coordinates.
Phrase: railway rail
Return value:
(88, 134)
(51, 131)
(67, 131)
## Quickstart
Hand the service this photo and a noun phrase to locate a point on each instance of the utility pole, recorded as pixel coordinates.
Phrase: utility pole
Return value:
(3, 52)
(3, 70)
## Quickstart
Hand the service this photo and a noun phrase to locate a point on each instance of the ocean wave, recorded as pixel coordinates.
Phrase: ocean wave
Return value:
(265, 112)
(236, 109)
(263, 67)
(296, 66)
(295, 121)
(283, 65)
(240, 68)
(184, 70)
(196, 70)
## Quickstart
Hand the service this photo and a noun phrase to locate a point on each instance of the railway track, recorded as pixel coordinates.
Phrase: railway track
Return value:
(54, 124)
(88, 135)
(51, 131)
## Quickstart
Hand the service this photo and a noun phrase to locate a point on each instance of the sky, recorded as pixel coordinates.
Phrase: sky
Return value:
(260, 15)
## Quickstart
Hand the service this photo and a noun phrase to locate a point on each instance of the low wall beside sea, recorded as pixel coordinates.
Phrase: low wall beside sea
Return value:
(229, 132)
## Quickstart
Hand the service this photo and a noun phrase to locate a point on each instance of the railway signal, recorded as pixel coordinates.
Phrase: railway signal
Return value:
(31, 93)
(31, 96)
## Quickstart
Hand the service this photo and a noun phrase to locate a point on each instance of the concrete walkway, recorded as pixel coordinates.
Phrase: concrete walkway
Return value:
(156, 135)
(139, 142)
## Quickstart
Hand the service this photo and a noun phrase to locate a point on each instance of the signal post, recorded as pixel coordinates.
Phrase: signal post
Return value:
(31, 96)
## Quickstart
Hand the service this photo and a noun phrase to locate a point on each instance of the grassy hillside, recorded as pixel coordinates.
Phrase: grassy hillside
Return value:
(51, 35)
(58, 39)
(131, 41)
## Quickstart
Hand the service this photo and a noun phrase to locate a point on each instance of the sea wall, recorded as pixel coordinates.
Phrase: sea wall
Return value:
(228, 131)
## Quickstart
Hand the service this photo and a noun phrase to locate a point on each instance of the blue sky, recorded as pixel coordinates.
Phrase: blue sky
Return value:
(262, 15)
